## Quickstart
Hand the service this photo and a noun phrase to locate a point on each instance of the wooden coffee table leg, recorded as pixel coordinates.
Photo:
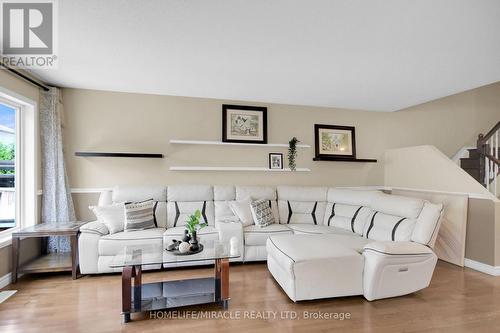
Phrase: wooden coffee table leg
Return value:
(222, 281)
(126, 292)
(15, 257)
(137, 286)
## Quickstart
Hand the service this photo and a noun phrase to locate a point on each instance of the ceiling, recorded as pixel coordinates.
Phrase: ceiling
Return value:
(380, 55)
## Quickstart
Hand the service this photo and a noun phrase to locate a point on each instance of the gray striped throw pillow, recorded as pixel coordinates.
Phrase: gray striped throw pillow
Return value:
(139, 215)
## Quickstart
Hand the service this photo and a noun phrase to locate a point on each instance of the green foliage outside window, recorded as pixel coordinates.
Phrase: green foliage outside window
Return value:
(7, 153)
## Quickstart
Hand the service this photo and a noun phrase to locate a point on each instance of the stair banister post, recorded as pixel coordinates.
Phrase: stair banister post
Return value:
(482, 166)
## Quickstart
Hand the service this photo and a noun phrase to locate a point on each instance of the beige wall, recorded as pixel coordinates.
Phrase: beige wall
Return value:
(30, 247)
(111, 121)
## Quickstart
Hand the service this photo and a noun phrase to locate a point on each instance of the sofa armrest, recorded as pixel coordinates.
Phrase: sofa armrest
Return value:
(95, 227)
(396, 268)
(398, 248)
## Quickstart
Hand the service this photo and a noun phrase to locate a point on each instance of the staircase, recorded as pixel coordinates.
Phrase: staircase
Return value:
(483, 163)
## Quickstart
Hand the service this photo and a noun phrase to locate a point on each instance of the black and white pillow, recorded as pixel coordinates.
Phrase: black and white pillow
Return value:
(262, 213)
(140, 215)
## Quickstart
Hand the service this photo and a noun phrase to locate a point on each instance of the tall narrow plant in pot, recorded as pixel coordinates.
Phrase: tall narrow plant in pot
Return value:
(193, 225)
(292, 153)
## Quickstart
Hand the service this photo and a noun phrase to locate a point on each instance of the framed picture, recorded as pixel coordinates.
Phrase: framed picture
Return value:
(334, 142)
(275, 161)
(244, 124)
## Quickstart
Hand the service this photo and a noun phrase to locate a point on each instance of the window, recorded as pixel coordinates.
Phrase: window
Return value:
(18, 163)
(8, 139)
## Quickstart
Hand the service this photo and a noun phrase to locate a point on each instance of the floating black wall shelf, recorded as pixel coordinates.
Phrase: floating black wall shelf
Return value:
(336, 159)
(99, 154)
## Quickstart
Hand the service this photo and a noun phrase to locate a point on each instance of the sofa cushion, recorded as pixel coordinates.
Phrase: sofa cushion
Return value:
(259, 193)
(302, 193)
(349, 217)
(385, 227)
(300, 204)
(224, 193)
(255, 193)
(255, 235)
(139, 193)
(313, 229)
(190, 193)
(351, 197)
(178, 212)
(311, 212)
(397, 205)
(184, 200)
(290, 250)
(427, 226)
(110, 245)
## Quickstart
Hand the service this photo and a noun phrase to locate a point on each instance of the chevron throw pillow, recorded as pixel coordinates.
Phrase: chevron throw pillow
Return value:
(262, 213)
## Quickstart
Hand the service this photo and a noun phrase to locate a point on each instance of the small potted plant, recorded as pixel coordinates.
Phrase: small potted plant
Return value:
(192, 226)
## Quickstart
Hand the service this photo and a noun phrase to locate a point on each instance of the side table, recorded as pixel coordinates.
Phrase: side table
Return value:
(48, 262)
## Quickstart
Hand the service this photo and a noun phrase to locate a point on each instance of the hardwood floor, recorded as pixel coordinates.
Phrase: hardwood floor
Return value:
(458, 300)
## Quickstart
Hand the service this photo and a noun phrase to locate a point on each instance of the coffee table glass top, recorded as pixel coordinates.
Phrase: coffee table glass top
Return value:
(151, 254)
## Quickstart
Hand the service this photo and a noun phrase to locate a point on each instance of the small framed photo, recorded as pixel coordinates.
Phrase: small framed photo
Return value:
(275, 161)
(334, 142)
(244, 124)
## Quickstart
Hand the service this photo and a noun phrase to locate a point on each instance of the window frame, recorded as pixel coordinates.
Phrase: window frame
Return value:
(26, 162)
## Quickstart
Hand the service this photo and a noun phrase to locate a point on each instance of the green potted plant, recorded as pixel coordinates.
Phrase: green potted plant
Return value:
(192, 226)
(292, 153)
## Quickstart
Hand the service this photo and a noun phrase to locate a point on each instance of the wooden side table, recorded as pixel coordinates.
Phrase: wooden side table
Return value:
(48, 262)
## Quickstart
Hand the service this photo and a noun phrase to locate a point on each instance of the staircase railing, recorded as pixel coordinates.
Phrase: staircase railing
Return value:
(489, 162)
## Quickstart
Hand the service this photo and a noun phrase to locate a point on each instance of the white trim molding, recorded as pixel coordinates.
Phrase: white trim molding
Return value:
(5, 280)
(482, 267)
(79, 190)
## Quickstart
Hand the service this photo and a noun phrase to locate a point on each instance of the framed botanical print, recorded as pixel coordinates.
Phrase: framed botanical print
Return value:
(244, 124)
(334, 142)
(275, 161)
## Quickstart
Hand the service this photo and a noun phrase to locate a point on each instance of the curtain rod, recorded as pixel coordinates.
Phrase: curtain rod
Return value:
(25, 77)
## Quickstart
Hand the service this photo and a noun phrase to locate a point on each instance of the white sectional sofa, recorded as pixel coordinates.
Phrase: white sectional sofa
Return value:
(326, 242)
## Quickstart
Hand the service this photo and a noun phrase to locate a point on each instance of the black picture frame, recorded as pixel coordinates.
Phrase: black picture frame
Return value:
(262, 109)
(334, 157)
(270, 161)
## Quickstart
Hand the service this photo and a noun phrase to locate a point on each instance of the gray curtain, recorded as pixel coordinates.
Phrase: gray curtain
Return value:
(57, 205)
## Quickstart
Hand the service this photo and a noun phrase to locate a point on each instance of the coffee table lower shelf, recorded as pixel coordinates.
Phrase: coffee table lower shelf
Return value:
(163, 295)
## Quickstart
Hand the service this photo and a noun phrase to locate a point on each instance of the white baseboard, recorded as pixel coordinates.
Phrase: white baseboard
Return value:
(481, 267)
(5, 280)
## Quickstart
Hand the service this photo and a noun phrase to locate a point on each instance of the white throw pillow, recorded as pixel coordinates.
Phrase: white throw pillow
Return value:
(242, 210)
(113, 216)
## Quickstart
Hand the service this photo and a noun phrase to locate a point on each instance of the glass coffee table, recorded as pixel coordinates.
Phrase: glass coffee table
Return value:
(139, 297)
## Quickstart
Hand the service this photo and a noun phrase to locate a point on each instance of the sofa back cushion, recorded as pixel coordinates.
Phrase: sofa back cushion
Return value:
(397, 205)
(254, 193)
(123, 194)
(387, 227)
(428, 223)
(393, 217)
(184, 200)
(349, 217)
(299, 204)
(348, 209)
(223, 195)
